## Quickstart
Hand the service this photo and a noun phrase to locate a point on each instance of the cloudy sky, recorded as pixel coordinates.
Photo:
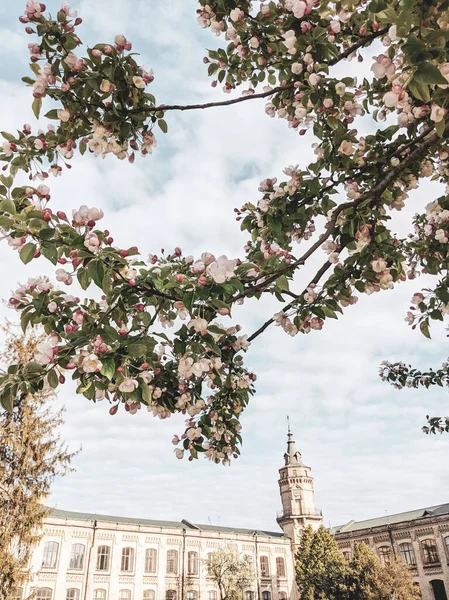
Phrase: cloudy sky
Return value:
(361, 437)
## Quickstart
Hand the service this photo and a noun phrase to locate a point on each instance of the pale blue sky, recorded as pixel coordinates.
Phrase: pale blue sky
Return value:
(361, 438)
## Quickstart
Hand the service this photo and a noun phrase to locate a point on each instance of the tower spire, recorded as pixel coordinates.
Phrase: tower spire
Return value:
(292, 456)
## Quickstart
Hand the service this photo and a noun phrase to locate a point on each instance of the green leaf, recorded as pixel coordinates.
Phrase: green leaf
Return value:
(147, 394)
(52, 378)
(7, 401)
(163, 125)
(8, 206)
(419, 90)
(27, 253)
(8, 137)
(282, 283)
(108, 369)
(440, 128)
(36, 106)
(424, 327)
(50, 252)
(32, 370)
(429, 73)
(52, 114)
(137, 350)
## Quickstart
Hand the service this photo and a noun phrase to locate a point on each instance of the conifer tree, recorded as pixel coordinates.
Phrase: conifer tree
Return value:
(31, 456)
(321, 569)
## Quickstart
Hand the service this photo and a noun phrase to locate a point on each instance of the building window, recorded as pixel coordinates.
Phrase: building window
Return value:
(17, 594)
(210, 556)
(282, 595)
(264, 569)
(100, 594)
(280, 567)
(266, 595)
(347, 555)
(103, 557)
(150, 560)
(407, 554)
(384, 554)
(191, 595)
(50, 555)
(192, 563)
(124, 595)
(430, 552)
(170, 595)
(72, 594)
(77, 556)
(249, 595)
(172, 562)
(44, 594)
(446, 543)
(211, 595)
(149, 595)
(127, 559)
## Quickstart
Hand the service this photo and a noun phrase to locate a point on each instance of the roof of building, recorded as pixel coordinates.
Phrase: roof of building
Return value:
(412, 515)
(184, 524)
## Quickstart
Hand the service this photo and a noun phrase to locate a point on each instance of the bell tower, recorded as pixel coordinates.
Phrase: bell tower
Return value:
(297, 495)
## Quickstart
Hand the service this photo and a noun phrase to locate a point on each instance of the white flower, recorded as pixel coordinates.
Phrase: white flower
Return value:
(378, 265)
(129, 385)
(91, 364)
(199, 325)
(296, 68)
(346, 148)
(193, 433)
(44, 354)
(63, 115)
(241, 343)
(314, 79)
(63, 276)
(138, 82)
(179, 453)
(52, 307)
(106, 86)
(92, 241)
(222, 269)
(236, 15)
(146, 376)
(254, 42)
(437, 113)
(290, 41)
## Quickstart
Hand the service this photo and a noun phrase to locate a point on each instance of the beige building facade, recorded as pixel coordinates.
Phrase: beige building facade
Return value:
(99, 557)
(419, 537)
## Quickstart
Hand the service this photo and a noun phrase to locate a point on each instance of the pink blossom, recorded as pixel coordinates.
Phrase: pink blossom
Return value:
(129, 385)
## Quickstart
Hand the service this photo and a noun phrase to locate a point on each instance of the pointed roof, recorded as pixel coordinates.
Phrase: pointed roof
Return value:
(292, 456)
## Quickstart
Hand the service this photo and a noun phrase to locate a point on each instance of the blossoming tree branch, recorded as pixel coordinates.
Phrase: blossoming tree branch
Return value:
(336, 209)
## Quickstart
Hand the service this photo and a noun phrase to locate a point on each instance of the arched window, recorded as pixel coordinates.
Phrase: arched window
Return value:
(44, 594)
(150, 560)
(249, 595)
(100, 595)
(192, 595)
(446, 543)
(170, 595)
(127, 559)
(124, 595)
(72, 594)
(172, 562)
(103, 558)
(149, 595)
(430, 551)
(347, 555)
(192, 563)
(211, 595)
(50, 555)
(77, 556)
(280, 566)
(264, 568)
(266, 595)
(282, 595)
(407, 553)
(384, 554)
